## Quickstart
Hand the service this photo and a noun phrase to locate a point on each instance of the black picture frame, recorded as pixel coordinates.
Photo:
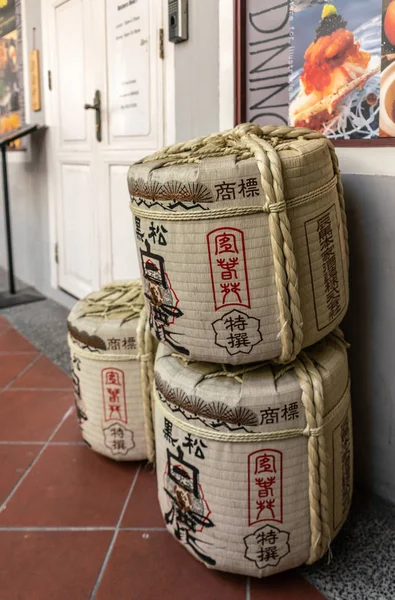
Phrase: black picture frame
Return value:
(241, 80)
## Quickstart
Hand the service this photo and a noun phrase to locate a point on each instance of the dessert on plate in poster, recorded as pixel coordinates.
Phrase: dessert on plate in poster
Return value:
(335, 67)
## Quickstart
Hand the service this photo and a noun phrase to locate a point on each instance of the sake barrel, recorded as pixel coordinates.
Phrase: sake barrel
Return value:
(254, 464)
(112, 354)
(242, 242)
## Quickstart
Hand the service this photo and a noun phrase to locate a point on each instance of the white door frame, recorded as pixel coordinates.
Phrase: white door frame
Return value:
(169, 134)
(50, 144)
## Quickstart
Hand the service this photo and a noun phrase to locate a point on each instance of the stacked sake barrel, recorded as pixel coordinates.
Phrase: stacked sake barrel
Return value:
(112, 356)
(242, 243)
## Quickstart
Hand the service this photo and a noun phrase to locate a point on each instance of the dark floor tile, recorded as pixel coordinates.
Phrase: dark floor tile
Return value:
(12, 341)
(31, 416)
(143, 508)
(284, 586)
(11, 365)
(14, 460)
(48, 565)
(153, 566)
(70, 430)
(70, 486)
(44, 374)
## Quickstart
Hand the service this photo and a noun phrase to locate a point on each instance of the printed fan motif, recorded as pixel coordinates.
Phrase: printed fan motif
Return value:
(171, 190)
(215, 411)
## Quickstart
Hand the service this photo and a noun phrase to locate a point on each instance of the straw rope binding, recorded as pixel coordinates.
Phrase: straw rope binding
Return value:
(262, 143)
(312, 398)
(122, 300)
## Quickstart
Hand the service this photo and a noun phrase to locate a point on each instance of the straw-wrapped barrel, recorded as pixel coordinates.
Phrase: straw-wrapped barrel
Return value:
(242, 243)
(112, 355)
(254, 464)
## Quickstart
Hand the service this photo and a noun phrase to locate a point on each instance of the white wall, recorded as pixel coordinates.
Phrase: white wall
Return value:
(27, 174)
(197, 73)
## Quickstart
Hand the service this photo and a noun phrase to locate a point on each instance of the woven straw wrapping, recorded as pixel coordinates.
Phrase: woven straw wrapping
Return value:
(112, 355)
(246, 225)
(254, 465)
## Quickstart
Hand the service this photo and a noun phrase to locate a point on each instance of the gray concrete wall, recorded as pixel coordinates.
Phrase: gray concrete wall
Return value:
(197, 73)
(370, 328)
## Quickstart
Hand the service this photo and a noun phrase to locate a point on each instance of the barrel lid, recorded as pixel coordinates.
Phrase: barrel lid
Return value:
(96, 319)
(192, 171)
(249, 397)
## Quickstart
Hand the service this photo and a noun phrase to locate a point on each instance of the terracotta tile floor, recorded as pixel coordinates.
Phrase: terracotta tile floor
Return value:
(74, 525)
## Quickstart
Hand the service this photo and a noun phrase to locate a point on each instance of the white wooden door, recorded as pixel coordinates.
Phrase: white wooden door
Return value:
(132, 88)
(73, 144)
(114, 47)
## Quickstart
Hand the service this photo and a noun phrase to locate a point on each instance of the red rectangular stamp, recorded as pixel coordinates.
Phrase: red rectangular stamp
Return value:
(265, 486)
(114, 396)
(228, 267)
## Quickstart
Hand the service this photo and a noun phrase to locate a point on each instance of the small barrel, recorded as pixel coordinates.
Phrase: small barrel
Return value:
(254, 464)
(112, 356)
(242, 243)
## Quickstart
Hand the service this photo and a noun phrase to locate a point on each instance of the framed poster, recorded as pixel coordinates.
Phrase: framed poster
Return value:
(327, 65)
(11, 74)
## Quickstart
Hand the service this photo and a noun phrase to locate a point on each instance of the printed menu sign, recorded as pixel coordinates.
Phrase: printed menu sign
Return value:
(267, 60)
(128, 50)
(11, 114)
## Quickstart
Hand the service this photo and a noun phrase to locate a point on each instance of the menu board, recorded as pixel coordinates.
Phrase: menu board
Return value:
(328, 65)
(128, 55)
(11, 100)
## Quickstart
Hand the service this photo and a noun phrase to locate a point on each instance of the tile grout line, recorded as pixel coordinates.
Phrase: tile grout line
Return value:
(248, 588)
(142, 529)
(42, 443)
(3, 506)
(114, 537)
(65, 529)
(33, 362)
(17, 389)
(49, 529)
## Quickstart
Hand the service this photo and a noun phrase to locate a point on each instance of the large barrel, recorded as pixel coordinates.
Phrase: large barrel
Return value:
(242, 243)
(112, 355)
(254, 464)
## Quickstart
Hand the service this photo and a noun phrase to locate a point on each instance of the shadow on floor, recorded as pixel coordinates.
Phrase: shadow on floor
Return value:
(363, 563)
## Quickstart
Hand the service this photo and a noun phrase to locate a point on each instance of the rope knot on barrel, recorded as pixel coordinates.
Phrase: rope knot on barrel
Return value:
(245, 141)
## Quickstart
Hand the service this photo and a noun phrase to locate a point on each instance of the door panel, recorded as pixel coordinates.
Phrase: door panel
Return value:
(77, 227)
(123, 248)
(132, 70)
(69, 17)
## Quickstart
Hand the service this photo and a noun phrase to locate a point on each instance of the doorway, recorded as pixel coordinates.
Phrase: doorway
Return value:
(106, 104)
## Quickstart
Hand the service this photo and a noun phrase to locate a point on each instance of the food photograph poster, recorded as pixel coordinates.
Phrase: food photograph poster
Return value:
(329, 66)
(10, 70)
